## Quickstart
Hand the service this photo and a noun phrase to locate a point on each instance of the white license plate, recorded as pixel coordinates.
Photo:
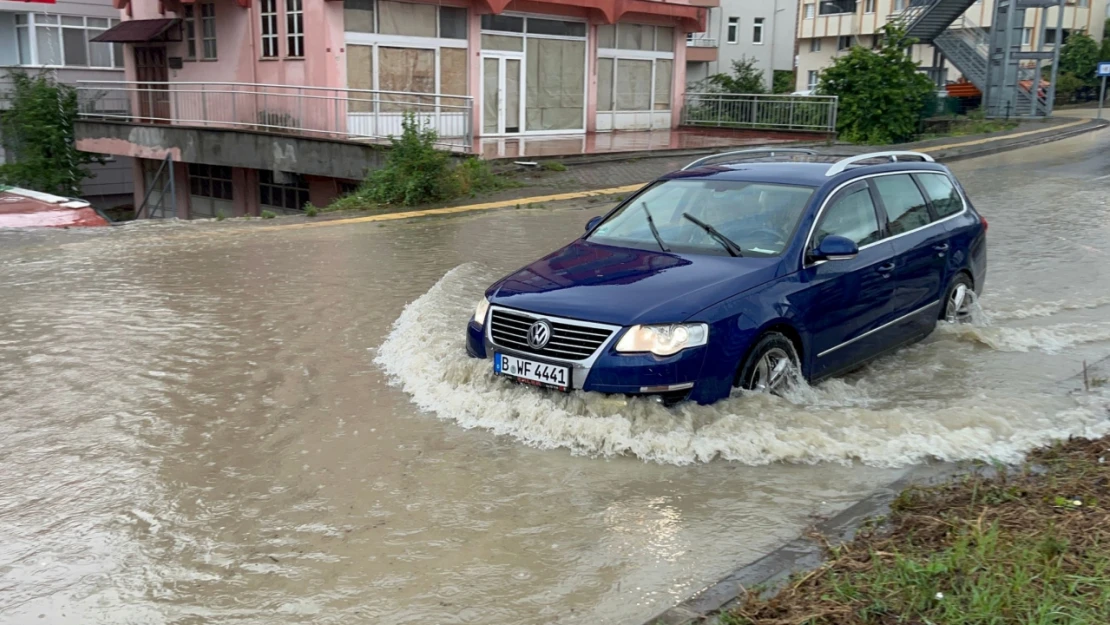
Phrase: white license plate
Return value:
(532, 372)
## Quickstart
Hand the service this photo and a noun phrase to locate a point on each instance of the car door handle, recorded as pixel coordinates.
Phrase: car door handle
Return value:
(885, 268)
(943, 247)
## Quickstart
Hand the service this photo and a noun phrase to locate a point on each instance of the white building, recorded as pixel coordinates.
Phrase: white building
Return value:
(760, 29)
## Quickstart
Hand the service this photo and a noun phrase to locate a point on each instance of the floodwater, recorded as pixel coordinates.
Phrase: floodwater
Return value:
(221, 423)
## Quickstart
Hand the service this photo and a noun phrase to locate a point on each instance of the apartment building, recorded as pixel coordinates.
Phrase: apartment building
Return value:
(55, 38)
(763, 30)
(265, 104)
(829, 28)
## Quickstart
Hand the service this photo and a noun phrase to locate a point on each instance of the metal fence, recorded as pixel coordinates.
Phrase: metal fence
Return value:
(762, 111)
(697, 40)
(348, 114)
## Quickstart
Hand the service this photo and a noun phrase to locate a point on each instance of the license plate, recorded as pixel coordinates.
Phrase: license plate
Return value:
(532, 372)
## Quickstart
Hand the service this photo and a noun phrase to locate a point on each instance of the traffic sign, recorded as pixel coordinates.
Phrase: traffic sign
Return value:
(1103, 69)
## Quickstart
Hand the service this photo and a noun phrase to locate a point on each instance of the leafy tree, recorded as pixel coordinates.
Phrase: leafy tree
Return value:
(783, 81)
(37, 133)
(1079, 57)
(1104, 48)
(882, 96)
(1067, 86)
(745, 78)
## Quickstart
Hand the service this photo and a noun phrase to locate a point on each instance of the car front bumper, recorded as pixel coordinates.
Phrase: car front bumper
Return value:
(673, 378)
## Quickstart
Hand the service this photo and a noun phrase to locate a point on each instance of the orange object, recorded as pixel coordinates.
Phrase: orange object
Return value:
(962, 88)
(20, 208)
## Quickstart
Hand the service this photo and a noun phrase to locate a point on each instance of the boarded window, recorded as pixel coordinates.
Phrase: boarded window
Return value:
(406, 69)
(360, 75)
(555, 98)
(633, 85)
(452, 75)
(604, 84)
(663, 75)
(503, 42)
(358, 16)
(403, 18)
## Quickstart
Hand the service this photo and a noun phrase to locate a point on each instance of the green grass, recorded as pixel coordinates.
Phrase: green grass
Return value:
(268, 214)
(1029, 547)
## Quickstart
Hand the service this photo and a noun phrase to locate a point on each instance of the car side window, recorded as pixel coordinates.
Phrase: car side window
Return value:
(942, 193)
(905, 206)
(851, 215)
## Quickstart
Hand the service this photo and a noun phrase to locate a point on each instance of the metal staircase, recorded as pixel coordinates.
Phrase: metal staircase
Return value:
(993, 61)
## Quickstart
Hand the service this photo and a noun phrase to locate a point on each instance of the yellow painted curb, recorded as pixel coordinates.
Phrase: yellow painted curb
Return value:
(558, 197)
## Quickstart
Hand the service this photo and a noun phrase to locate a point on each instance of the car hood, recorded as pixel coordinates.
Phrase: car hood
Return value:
(625, 286)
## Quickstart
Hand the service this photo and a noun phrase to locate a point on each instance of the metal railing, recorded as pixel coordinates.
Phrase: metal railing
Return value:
(696, 40)
(815, 113)
(347, 114)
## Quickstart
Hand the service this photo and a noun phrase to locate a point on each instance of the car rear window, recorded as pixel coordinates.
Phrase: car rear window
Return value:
(942, 193)
(905, 206)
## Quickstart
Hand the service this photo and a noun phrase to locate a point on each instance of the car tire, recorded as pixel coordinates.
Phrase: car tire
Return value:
(957, 306)
(771, 365)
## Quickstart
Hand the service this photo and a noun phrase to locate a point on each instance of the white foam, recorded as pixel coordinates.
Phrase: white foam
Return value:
(838, 421)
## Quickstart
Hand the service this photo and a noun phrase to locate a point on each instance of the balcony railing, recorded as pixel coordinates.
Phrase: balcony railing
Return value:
(346, 114)
(763, 111)
(836, 7)
(697, 40)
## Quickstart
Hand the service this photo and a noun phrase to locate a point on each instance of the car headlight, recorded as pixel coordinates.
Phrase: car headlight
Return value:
(481, 310)
(663, 340)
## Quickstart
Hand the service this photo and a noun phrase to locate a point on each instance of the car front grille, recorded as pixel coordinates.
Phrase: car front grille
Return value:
(569, 340)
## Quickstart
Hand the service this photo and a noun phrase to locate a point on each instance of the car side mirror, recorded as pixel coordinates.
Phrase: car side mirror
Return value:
(835, 247)
(591, 224)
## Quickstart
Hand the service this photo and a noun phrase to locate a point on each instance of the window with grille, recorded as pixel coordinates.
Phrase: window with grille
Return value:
(210, 181)
(208, 29)
(288, 194)
(268, 10)
(294, 28)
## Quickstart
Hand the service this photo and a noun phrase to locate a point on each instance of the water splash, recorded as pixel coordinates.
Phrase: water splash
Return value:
(842, 420)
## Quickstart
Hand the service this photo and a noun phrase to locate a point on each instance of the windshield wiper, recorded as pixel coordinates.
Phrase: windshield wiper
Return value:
(654, 230)
(730, 246)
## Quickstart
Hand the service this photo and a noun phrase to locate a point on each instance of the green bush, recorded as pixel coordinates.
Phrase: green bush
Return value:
(310, 210)
(268, 214)
(1079, 57)
(415, 171)
(474, 175)
(782, 81)
(554, 166)
(1067, 84)
(882, 96)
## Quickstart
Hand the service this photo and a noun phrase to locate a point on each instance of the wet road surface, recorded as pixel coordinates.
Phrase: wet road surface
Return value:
(212, 423)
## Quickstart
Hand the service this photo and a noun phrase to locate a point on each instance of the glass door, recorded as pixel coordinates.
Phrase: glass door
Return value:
(501, 94)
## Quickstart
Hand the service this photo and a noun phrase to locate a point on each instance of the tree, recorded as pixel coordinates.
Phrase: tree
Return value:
(1079, 57)
(881, 94)
(37, 133)
(1104, 48)
(745, 78)
(783, 81)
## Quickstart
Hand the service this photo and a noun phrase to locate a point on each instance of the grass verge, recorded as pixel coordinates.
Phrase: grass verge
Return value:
(1028, 545)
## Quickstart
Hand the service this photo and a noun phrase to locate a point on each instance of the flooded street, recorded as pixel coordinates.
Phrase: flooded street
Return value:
(222, 423)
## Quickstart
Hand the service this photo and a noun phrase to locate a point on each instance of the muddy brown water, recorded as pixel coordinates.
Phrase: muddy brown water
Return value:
(216, 423)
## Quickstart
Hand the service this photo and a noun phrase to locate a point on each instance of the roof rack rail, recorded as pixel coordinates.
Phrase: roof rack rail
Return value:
(843, 163)
(752, 151)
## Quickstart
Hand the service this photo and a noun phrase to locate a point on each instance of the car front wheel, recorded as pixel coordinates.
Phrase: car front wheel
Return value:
(958, 301)
(771, 366)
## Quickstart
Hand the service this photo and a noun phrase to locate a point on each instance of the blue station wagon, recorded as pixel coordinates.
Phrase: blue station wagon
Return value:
(742, 270)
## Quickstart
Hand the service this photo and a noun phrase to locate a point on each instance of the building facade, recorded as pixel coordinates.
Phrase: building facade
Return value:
(829, 28)
(762, 30)
(55, 39)
(292, 78)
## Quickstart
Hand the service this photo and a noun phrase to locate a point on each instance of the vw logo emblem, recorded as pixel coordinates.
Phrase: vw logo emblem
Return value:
(539, 334)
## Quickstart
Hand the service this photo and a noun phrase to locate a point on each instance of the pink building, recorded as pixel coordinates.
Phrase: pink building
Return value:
(266, 104)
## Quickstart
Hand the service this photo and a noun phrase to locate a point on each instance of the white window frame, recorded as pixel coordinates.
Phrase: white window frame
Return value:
(815, 44)
(294, 21)
(204, 38)
(839, 39)
(618, 54)
(899, 5)
(30, 30)
(810, 10)
(757, 31)
(269, 35)
(733, 30)
(813, 78)
(1027, 36)
(868, 6)
(189, 20)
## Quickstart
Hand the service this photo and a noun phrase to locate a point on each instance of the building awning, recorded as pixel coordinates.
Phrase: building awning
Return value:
(138, 31)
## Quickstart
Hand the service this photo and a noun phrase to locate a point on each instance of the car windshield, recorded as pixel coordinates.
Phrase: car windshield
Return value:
(759, 218)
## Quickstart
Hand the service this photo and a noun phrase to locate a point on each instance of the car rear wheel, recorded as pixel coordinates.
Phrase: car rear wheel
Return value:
(771, 366)
(958, 301)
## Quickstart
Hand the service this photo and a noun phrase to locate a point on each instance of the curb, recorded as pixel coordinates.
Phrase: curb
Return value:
(800, 554)
(1048, 137)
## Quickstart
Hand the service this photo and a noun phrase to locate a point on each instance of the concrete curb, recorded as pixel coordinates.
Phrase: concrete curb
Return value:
(799, 555)
(1048, 136)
